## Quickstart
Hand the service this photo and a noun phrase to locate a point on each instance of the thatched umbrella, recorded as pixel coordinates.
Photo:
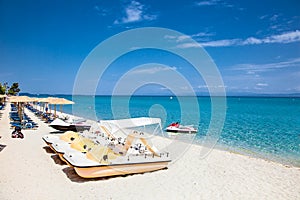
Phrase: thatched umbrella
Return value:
(43, 100)
(19, 100)
(34, 100)
(59, 101)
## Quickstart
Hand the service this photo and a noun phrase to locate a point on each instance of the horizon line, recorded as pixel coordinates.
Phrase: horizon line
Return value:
(170, 95)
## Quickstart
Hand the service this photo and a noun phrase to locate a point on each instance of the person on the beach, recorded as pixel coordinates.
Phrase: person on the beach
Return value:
(17, 133)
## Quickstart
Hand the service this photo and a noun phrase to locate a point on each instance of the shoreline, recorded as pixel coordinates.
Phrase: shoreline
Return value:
(221, 174)
(258, 155)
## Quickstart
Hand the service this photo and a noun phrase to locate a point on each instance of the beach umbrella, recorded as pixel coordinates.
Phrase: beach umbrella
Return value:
(20, 100)
(43, 101)
(51, 101)
(59, 101)
(62, 101)
(34, 100)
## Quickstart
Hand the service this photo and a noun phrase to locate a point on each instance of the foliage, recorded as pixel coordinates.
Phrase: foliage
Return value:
(14, 89)
(2, 89)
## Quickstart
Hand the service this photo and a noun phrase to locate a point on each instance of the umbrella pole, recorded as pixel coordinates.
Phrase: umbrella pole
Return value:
(19, 111)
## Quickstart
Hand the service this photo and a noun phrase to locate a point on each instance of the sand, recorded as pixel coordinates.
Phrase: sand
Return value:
(29, 170)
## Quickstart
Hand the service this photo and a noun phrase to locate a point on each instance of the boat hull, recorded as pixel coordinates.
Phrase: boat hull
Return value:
(75, 128)
(114, 170)
(181, 131)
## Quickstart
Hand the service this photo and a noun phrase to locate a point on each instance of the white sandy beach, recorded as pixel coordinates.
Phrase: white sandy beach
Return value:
(29, 170)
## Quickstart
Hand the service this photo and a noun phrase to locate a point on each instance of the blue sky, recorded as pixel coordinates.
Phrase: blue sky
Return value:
(255, 44)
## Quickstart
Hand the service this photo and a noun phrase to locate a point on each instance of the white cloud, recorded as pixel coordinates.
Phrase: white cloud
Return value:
(198, 36)
(183, 37)
(101, 11)
(252, 68)
(202, 34)
(135, 12)
(217, 43)
(149, 17)
(262, 84)
(207, 3)
(289, 37)
(274, 17)
(211, 86)
(202, 86)
(271, 18)
(184, 88)
(189, 45)
(221, 43)
(152, 70)
(250, 72)
(252, 40)
(163, 88)
(215, 3)
(263, 17)
(284, 38)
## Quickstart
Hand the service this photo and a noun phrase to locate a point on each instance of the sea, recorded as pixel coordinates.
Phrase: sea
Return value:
(263, 127)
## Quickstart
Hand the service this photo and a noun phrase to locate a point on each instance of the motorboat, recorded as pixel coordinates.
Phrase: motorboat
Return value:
(77, 126)
(178, 128)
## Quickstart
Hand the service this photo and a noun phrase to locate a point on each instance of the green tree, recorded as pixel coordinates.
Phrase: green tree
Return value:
(14, 89)
(2, 89)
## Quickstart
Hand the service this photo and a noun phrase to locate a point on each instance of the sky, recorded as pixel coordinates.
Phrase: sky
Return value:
(254, 44)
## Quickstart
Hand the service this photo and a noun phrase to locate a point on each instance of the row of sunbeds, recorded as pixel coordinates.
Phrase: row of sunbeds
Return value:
(20, 119)
(2, 105)
(46, 117)
(1, 108)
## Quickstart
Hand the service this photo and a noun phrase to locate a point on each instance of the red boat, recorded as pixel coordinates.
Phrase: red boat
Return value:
(178, 128)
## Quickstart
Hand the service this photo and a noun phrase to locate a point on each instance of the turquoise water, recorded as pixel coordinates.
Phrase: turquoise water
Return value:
(263, 127)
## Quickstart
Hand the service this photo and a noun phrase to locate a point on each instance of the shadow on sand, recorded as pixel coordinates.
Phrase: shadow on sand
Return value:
(48, 149)
(54, 157)
(57, 160)
(2, 146)
(74, 177)
(56, 132)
